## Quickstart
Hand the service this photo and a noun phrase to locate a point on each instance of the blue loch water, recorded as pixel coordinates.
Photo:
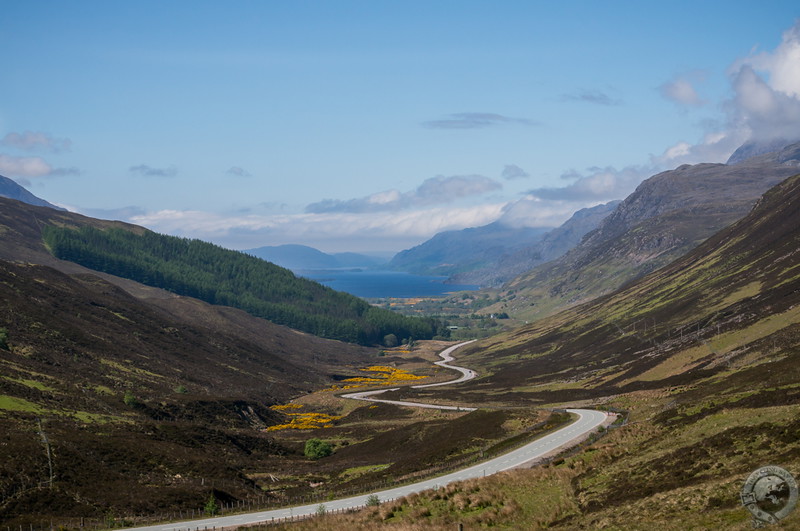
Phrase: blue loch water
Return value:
(383, 284)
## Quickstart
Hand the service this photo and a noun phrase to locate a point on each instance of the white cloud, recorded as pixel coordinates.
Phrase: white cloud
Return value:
(782, 65)
(332, 231)
(436, 190)
(597, 185)
(33, 141)
(768, 107)
(532, 211)
(26, 167)
(681, 91)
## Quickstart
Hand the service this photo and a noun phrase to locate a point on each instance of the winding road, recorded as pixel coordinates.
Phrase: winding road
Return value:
(446, 355)
(588, 421)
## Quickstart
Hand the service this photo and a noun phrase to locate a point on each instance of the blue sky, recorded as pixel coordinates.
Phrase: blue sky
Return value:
(370, 126)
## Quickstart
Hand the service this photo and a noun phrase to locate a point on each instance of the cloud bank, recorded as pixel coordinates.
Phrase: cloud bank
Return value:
(433, 191)
(331, 232)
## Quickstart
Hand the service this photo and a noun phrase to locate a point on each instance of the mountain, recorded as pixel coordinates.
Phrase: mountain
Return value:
(701, 359)
(452, 252)
(301, 257)
(668, 215)
(550, 246)
(12, 190)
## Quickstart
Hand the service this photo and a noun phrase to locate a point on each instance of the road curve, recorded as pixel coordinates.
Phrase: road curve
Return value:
(588, 420)
(446, 355)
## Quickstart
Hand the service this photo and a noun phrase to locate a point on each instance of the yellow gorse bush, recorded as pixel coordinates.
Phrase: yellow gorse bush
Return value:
(385, 376)
(303, 421)
(382, 375)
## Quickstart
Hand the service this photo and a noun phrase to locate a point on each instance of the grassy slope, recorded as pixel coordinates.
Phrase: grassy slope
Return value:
(712, 385)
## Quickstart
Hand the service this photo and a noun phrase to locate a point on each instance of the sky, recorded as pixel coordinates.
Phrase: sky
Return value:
(370, 126)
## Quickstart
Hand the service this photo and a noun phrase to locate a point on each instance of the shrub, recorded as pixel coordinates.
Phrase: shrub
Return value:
(316, 449)
(130, 400)
(390, 340)
(373, 500)
(211, 508)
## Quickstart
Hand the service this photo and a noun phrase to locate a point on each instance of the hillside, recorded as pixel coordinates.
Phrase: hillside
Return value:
(201, 270)
(668, 215)
(458, 251)
(702, 356)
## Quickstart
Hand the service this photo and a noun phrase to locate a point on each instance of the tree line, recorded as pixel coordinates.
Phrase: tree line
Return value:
(216, 275)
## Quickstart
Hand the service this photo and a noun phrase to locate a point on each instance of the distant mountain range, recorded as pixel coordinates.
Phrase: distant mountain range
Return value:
(300, 257)
(496, 253)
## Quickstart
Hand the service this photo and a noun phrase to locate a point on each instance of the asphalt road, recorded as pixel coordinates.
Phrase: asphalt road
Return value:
(588, 421)
(446, 355)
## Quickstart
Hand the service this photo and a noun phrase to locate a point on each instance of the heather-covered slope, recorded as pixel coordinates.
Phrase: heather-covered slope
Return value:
(132, 397)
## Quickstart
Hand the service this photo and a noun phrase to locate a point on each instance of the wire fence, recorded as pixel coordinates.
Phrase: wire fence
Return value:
(254, 499)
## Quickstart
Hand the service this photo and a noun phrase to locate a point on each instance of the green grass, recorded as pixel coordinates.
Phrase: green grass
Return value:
(358, 471)
(10, 403)
(33, 384)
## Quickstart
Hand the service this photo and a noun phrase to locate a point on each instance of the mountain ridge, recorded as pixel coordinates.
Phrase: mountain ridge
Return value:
(666, 216)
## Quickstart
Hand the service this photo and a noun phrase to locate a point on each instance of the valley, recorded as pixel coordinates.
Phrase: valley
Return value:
(402, 266)
(124, 399)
